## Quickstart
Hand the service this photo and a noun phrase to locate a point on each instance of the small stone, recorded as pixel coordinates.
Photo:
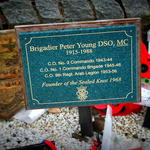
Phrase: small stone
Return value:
(54, 110)
(108, 9)
(126, 134)
(10, 125)
(7, 140)
(14, 135)
(135, 136)
(19, 141)
(143, 140)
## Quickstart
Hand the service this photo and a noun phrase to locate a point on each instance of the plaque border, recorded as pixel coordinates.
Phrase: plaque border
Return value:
(86, 24)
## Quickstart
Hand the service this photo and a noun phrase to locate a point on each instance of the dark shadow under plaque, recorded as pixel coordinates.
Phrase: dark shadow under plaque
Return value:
(80, 63)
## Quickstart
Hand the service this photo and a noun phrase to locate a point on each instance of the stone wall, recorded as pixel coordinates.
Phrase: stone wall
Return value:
(19, 12)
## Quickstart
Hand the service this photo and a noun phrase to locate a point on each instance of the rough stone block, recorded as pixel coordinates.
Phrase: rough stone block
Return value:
(19, 12)
(77, 10)
(137, 8)
(108, 9)
(48, 10)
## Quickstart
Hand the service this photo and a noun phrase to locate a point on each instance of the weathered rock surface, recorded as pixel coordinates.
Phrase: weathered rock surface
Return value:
(19, 12)
(108, 9)
(48, 10)
(137, 8)
(77, 10)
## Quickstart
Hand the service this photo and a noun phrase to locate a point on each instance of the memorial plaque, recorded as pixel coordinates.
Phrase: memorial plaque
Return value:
(80, 63)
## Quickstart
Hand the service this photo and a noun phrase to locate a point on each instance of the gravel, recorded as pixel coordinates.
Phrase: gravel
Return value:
(54, 127)
(60, 127)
